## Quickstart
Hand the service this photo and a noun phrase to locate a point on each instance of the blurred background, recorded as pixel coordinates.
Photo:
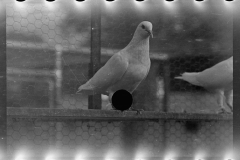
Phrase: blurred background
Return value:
(48, 56)
(188, 36)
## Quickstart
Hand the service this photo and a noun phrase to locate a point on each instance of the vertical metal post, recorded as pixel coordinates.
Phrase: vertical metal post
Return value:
(166, 77)
(3, 96)
(94, 102)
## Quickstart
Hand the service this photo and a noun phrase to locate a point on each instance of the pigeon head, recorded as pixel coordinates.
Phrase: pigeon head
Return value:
(144, 29)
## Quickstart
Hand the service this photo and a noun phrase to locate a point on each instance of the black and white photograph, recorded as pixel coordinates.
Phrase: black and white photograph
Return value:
(117, 80)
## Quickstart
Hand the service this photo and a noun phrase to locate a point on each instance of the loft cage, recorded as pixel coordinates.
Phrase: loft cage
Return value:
(54, 47)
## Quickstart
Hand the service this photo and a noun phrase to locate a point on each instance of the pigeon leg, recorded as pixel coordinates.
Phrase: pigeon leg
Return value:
(110, 97)
(229, 99)
(220, 97)
(109, 104)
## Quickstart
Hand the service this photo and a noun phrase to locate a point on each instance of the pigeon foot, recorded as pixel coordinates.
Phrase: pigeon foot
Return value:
(223, 111)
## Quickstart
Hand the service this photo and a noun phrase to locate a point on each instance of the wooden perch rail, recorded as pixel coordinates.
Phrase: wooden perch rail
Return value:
(92, 114)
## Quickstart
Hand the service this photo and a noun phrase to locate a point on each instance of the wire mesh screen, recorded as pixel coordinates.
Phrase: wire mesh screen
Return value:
(115, 139)
(48, 57)
(48, 51)
(47, 54)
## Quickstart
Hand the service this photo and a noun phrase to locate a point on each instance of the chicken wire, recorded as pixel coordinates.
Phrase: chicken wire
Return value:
(118, 138)
(48, 52)
(48, 56)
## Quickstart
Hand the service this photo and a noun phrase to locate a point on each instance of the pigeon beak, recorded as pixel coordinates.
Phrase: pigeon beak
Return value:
(150, 33)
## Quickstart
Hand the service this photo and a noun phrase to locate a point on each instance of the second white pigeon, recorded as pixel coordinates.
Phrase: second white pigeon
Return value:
(218, 78)
(125, 69)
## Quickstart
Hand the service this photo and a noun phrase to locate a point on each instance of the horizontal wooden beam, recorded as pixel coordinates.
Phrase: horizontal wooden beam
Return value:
(120, 158)
(91, 114)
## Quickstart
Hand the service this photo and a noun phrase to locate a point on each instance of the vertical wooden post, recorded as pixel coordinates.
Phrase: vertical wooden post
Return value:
(58, 71)
(166, 77)
(3, 96)
(59, 98)
(164, 136)
(94, 102)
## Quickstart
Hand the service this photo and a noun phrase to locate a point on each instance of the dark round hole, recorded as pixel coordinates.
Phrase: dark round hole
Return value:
(122, 100)
(20, 0)
(50, 0)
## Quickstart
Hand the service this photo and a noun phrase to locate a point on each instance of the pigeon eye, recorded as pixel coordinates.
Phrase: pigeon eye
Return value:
(143, 27)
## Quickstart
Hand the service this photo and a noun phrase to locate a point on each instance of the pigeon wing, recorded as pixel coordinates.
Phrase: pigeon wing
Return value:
(106, 76)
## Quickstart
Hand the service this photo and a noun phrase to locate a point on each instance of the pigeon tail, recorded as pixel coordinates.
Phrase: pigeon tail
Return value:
(179, 77)
(88, 90)
(190, 77)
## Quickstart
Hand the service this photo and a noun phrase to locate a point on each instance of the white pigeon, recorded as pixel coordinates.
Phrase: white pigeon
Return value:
(218, 78)
(125, 69)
